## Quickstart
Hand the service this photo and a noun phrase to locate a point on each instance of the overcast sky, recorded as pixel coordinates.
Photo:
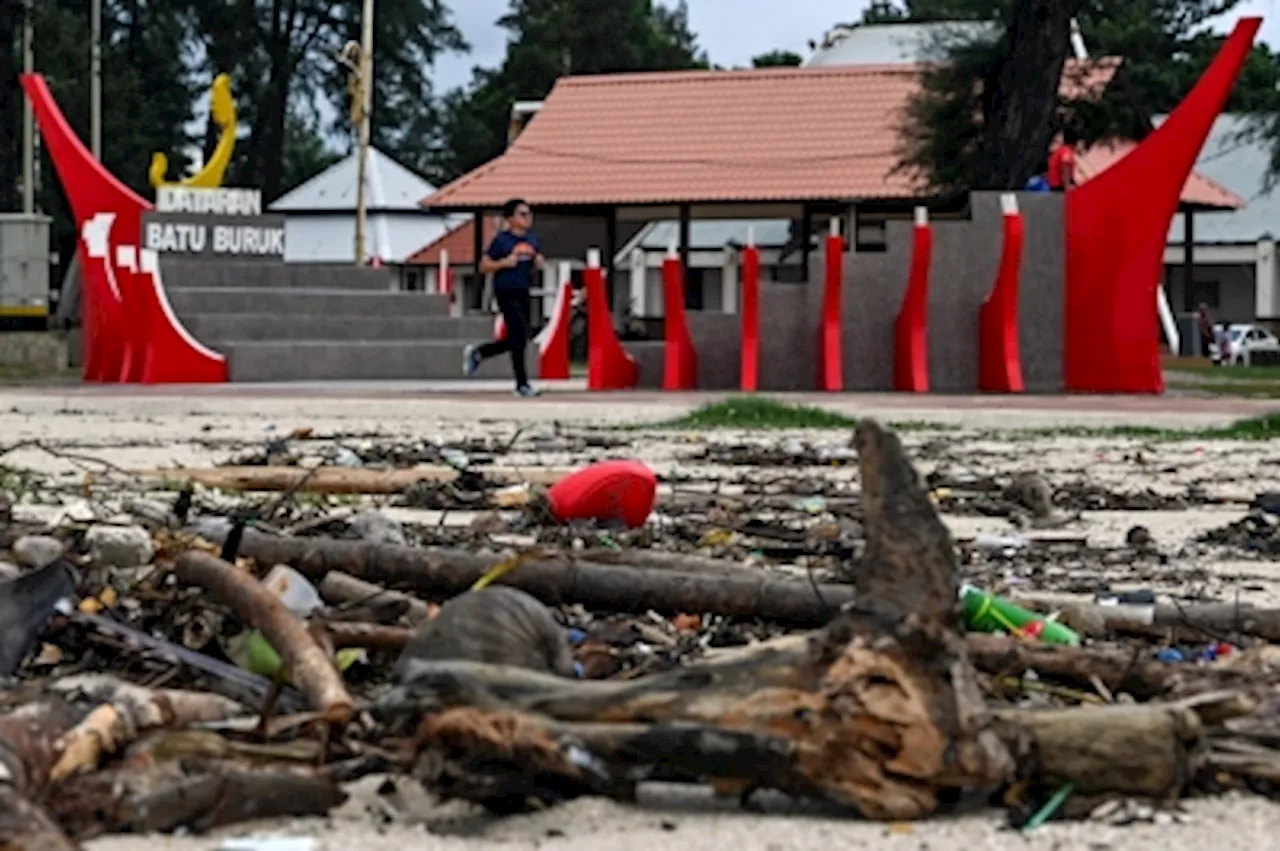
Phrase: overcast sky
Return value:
(731, 31)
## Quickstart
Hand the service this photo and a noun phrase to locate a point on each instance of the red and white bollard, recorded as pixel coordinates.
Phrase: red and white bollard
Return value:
(553, 340)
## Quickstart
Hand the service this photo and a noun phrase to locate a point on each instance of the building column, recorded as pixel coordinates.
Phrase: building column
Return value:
(639, 284)
(1265, 301)
(729, 280)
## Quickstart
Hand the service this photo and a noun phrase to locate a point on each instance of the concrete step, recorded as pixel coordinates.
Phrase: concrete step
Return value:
(187, 301)
(212, 328)
(338, 360)
(187, 274)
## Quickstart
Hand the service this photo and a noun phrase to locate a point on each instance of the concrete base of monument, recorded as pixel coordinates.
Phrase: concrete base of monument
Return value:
(292, 322)
(296, 322)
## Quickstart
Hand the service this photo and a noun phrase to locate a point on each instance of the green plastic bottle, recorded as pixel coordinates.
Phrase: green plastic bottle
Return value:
(988, 613)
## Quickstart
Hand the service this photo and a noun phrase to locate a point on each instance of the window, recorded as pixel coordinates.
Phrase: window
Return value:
(1202, 292)
(693, 293)
(871, 236)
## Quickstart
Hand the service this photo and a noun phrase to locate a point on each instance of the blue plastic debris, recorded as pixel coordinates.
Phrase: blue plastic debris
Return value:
(1170, 654)
(577, 636)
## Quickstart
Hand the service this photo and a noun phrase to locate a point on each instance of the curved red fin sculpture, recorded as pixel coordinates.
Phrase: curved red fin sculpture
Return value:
(751, 318)
(911, 342)
(609, 367)
(831, 353)
(91, 190)
(132, 316)
(172, 355)
(680, 359)
(1117, 224)
(553, 341)
(999, 359)
(101, 306)
(131, 333)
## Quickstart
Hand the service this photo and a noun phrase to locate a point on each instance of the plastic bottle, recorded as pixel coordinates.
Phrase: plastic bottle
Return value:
(298, 595)
(989, 613)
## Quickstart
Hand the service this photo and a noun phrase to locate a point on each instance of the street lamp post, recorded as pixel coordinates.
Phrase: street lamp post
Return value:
(28, 116)
(364, 91)
(95, 78)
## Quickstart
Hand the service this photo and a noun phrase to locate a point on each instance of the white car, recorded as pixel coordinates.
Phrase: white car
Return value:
(1245, 343)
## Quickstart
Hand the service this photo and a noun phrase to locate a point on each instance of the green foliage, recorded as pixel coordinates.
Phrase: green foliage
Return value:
(777, 59)
(282, 58)
(147, 92)
(1165, 49)
(159, 58)
(884, 12)
(549, 39)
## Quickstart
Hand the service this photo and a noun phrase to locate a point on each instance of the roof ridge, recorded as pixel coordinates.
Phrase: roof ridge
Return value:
(725, 74)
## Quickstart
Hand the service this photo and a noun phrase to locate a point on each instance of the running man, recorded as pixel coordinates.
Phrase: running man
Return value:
(511, 258)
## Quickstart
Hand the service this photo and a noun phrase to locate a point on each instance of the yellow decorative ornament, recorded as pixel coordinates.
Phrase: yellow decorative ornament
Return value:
(223, 110)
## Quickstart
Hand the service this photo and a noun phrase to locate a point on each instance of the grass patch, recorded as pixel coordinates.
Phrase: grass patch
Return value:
(758, 412)
(762, 413)
(1264, 427)
(1204, 368)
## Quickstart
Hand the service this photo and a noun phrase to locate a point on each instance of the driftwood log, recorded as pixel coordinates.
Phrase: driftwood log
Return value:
(1196, 620)
(880, 710)
(45, 797)
(28, 752)
(308, 665)
(124, 711)
(341, 589)
(194, 794)
(556, 580)
(346, 480)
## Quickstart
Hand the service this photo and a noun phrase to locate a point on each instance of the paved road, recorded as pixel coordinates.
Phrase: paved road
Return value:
(462, 400)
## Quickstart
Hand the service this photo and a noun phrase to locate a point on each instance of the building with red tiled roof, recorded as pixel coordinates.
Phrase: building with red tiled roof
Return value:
(788, 144)
(779, 135)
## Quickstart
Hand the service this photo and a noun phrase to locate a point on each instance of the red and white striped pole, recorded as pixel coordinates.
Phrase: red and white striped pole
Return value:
(831, 375)
(553, 341)
(751, 314)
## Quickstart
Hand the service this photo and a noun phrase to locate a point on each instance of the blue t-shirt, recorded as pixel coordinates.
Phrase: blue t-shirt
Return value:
(521, 277)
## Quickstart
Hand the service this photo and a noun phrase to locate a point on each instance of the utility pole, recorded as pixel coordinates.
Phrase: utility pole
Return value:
(28, 116)
(95, 78)
(364, 91)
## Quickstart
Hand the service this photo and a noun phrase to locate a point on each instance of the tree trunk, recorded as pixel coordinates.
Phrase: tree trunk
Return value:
(275, 117)
(1020, 95)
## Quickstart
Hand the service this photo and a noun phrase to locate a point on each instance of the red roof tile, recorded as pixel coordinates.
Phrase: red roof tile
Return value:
(790, 134)
(459, 242)
(1198, 189)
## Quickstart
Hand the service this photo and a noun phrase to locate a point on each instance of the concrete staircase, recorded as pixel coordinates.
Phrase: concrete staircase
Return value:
(302, 322)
